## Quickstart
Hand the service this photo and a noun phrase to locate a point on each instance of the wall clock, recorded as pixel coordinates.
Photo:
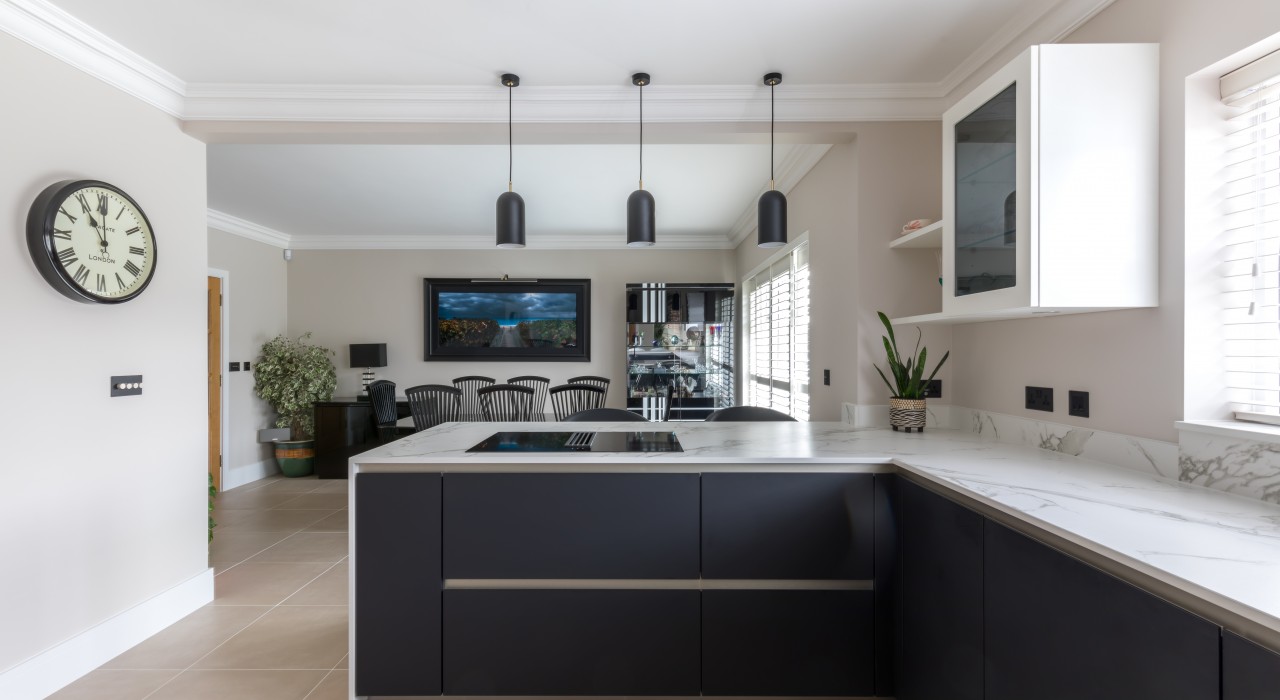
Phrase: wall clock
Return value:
(91, 242)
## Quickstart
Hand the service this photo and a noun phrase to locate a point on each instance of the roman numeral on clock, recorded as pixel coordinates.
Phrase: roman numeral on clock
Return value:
(67, 256)
(82, 276)
(64, 235)
(102, 283)
(135, 250)
(133, 230)
(67, 214)
(119, 282)
(84, 203)
(132, 269)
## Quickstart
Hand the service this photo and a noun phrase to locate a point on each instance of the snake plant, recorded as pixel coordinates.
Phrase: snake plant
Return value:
(909, 381)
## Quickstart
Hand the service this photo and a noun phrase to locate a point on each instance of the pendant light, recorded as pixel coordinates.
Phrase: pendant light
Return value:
(510, 204)
(640, 224)
(771, 216)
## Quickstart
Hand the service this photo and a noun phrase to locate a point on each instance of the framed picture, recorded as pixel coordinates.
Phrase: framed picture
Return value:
(548, 320)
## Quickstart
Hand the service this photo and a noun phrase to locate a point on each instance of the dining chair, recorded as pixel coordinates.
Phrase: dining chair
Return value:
(539, 386)
(616, 415)
(382, 395)
(470, 401)
(568, 399)
(433, 404)
(506, 402)
(589, 380)
(748, 413)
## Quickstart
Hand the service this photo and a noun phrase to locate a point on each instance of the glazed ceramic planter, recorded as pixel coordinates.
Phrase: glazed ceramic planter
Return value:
(295, 457)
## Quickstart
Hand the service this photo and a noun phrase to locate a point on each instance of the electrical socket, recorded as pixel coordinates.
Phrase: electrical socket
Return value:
(1040, 398)
(234, 367)
(826, 377)
(934, 389)
(1078, 403)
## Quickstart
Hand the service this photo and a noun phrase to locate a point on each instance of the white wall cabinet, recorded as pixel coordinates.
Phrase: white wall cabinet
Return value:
(1050, 186)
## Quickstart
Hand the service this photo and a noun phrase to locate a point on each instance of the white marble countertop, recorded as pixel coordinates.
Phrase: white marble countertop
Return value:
(1216, 548)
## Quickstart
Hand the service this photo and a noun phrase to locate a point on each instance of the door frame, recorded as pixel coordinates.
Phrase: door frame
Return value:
(224, 403)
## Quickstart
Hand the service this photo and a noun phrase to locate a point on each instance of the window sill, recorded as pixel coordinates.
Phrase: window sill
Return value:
(1239, 429)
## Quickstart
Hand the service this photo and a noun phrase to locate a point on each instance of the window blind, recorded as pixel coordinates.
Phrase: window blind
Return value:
(777, 334)
(1250, 239)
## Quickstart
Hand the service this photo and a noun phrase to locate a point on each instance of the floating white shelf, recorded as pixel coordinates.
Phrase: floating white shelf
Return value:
(928, 237)
(944, 319)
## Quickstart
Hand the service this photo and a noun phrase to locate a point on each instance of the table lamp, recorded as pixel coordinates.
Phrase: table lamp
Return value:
(368, 356)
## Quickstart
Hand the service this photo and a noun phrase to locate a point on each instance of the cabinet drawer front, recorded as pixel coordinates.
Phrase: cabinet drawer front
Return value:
(787, 526)
(571, 526)
(1249, 672)
(1059, 629)
(583, 642)
(787, 643)
(398, 584)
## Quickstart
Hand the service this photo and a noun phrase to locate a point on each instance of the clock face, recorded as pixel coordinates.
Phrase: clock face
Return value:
(91, 241)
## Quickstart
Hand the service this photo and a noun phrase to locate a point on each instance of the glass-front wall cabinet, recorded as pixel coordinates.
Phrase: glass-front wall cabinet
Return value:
(986, 254)
(679, 349)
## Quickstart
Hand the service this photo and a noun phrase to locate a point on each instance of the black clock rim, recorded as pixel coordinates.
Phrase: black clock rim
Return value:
(44, 210)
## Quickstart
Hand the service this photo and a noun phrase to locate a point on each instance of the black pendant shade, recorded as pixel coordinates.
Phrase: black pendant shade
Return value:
(641, 228)
(771, 216)
(510, 220)
(510, 223)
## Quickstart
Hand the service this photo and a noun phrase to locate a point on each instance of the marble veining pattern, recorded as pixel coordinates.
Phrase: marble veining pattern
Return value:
(1234, 465)
(1222, 548)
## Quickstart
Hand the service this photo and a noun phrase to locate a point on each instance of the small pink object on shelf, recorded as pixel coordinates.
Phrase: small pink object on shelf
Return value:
(914, 225)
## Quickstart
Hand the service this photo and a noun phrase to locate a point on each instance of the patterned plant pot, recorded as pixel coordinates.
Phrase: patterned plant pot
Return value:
(295, 457)
(906, 414)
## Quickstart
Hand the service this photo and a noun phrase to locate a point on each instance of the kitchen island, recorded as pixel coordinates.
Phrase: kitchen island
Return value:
(801, 559)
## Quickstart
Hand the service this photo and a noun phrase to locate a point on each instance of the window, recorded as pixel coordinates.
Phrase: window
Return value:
(1250, 238)
(776, 321)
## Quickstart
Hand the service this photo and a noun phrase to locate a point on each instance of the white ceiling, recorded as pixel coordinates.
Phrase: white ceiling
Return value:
(333, 77)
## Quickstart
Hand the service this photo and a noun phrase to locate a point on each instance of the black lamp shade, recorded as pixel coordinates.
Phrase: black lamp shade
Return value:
(772, 220)
(368, 354)
(510, 220)
(640, 224)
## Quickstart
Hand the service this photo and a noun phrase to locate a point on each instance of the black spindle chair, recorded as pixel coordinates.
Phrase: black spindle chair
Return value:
(589, 380)
(748, 413)
(382, 394)
(539, 386)
(568, 399)
(433, 404)
(505, 402)
(470, 400)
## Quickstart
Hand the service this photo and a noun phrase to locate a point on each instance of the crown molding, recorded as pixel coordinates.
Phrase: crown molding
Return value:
(572, 241)
(66, 38)
(236, 226)
(790, 172)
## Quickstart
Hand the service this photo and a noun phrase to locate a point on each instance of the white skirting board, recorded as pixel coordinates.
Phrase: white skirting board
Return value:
(57, 667)
(248, 473)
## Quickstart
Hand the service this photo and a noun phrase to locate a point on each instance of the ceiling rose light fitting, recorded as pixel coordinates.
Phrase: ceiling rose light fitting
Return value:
(510, 204)
(640, 205)
(771, 215)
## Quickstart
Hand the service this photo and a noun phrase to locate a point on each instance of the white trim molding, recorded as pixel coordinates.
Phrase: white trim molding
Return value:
(236, 226)
(47, 672)
(604, 240)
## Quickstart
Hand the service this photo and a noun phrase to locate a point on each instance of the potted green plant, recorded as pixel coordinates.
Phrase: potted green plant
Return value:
(906, 403)
(292, 375)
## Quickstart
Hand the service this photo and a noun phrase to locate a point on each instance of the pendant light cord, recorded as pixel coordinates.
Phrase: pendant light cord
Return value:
(510, 153)
(642, 137)
(771, 114)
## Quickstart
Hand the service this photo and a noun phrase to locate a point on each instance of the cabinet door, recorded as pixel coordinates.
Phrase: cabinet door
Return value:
(1249, 672)
(581, 642)
(1059, 629)
(571, 526)
(940, 632)
(397, 584)
(787, 643)
(342, 430)
(787, 526)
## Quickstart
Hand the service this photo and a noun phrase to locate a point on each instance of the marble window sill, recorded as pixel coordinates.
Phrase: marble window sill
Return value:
(1239, 429)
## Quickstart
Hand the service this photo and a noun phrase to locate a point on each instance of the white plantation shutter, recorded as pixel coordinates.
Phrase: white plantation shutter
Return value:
(776, 317)
(1250, 239)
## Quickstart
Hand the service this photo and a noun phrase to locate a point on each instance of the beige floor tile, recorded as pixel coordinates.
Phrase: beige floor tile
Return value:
(240, 685)
(334, 523)
(270, 520)
(331, 588)
(333, 687)
(315, 501)
(287, 637)
(114, 685)
(307, 546)
(232, 547)
(333, 486)
(184, 642)
(263, 583)
(261, 498)
(302, 484)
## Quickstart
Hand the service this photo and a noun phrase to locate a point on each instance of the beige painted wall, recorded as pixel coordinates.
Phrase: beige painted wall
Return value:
(102, 500)
(852, 204)
(1131, 362)
(256, 302)
(345, 297)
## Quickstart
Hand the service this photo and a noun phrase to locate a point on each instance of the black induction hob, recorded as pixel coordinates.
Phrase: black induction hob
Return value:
(586, 441)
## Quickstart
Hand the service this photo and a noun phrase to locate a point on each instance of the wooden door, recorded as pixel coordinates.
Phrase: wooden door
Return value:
(215, 381)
